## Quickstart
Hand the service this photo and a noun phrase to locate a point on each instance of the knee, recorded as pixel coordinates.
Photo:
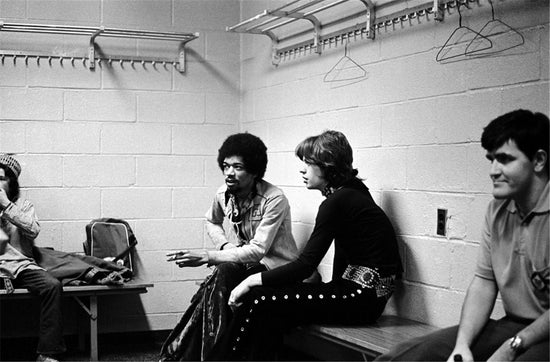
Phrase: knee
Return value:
(52, 286)
(228, 267)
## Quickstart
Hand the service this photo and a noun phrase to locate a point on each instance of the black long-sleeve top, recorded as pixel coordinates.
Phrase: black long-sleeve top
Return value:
(362, 234)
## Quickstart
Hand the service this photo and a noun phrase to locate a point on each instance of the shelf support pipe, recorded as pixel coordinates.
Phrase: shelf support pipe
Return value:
(370, 18)
(316, 32)
(91, 48)
(438, 13)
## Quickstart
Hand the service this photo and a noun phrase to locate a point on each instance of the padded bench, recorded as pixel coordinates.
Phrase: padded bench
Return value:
(92, 293)
(333, 343)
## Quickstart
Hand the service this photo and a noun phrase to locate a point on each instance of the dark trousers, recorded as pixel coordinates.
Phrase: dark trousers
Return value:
(205, 321)
(437, 346)
(257, 329)
(49, 290)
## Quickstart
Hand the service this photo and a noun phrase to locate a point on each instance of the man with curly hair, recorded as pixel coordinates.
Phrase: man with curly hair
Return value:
(258, 238)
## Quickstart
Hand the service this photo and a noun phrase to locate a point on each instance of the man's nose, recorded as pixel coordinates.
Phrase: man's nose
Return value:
(495, 168)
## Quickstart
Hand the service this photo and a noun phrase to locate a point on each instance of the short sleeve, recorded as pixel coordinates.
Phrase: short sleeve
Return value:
(484, 267)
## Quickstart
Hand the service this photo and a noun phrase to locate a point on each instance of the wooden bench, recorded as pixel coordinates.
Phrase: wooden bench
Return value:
(333, 343)
(91, 293)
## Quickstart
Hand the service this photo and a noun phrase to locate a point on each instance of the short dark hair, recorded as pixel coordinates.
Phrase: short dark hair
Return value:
(13, 182)
(332, 153)
(252, 150)
(528, 130)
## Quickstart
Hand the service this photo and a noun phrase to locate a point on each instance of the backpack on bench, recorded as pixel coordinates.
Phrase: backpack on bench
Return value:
(110, 239)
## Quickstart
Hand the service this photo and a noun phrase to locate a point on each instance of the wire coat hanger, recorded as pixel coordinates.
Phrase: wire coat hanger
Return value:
(448, 46)
(489, 27)
(355, 71)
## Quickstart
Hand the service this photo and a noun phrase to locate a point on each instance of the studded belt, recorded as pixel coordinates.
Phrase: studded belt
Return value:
(370, 278)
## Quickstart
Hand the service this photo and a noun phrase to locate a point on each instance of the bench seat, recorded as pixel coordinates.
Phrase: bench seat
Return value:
(357, 342)
(91, 293)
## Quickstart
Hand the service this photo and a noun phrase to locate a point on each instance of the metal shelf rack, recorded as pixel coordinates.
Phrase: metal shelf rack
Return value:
(366, 23)
(91, 55)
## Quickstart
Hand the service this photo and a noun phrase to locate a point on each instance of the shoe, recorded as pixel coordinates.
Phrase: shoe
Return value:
(45, 358)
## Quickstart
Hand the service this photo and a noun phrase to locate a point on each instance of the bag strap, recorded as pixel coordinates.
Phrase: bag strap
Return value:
(126, 251)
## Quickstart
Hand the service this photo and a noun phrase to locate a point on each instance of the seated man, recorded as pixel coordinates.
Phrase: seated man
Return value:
(18, 228)
(513, 256)
(258, 216)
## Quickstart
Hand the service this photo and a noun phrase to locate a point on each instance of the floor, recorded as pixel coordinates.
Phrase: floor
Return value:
(112, 347)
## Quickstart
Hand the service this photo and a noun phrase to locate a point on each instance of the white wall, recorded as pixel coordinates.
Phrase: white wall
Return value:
(415, 126)
(140, 144)
(122, 141)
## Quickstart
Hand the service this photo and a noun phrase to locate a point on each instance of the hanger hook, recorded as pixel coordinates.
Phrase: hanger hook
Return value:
(492, 9)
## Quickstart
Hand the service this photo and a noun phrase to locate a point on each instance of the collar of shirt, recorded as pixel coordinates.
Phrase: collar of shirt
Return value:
(249, 198)
(542, 206)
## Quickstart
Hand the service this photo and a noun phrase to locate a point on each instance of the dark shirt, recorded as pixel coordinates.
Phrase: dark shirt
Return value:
(362, 234)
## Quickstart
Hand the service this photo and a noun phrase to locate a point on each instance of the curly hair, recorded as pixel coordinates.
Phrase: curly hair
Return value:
(13, 182)
(332, 153)
(252, 150)
(527, 129)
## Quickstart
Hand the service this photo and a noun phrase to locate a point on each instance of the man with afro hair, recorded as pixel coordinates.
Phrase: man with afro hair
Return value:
(249, 223)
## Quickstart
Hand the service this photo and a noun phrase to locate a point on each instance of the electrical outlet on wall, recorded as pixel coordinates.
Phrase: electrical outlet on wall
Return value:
(441, 222)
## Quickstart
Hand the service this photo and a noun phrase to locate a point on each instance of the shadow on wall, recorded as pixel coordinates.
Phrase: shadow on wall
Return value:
(407, 301)
(211, 69)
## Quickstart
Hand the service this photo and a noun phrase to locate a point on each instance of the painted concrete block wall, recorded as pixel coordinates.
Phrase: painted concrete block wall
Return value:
(415, 126)
(140, 144)
(124, 141)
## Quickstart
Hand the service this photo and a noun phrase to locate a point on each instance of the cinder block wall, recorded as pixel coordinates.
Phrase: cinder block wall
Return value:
(122, 141)
(415, 126)
(140, 144)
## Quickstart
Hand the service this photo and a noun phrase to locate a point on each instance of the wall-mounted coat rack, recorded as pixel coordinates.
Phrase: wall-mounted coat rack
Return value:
(91, 55)
(269, 20)
(366, 23)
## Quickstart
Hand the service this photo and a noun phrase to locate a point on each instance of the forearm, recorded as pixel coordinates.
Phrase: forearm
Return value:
(4, 239)
(23, 217)
(243, 254)
(253, 280)
(536, 331)
(476, 310)
(217, 235)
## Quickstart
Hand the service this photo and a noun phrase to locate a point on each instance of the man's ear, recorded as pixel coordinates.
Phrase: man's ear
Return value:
(539, 160)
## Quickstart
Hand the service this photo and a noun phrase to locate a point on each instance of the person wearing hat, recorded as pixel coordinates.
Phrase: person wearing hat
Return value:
(18, 228)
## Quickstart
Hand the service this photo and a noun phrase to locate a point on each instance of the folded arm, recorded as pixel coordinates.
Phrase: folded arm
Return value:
(23, 216)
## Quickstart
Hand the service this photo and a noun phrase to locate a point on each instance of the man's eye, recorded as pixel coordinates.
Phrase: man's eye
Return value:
(503, 158)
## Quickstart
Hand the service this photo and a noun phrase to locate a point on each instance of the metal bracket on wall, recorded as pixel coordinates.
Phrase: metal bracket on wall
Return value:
(91, 55)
